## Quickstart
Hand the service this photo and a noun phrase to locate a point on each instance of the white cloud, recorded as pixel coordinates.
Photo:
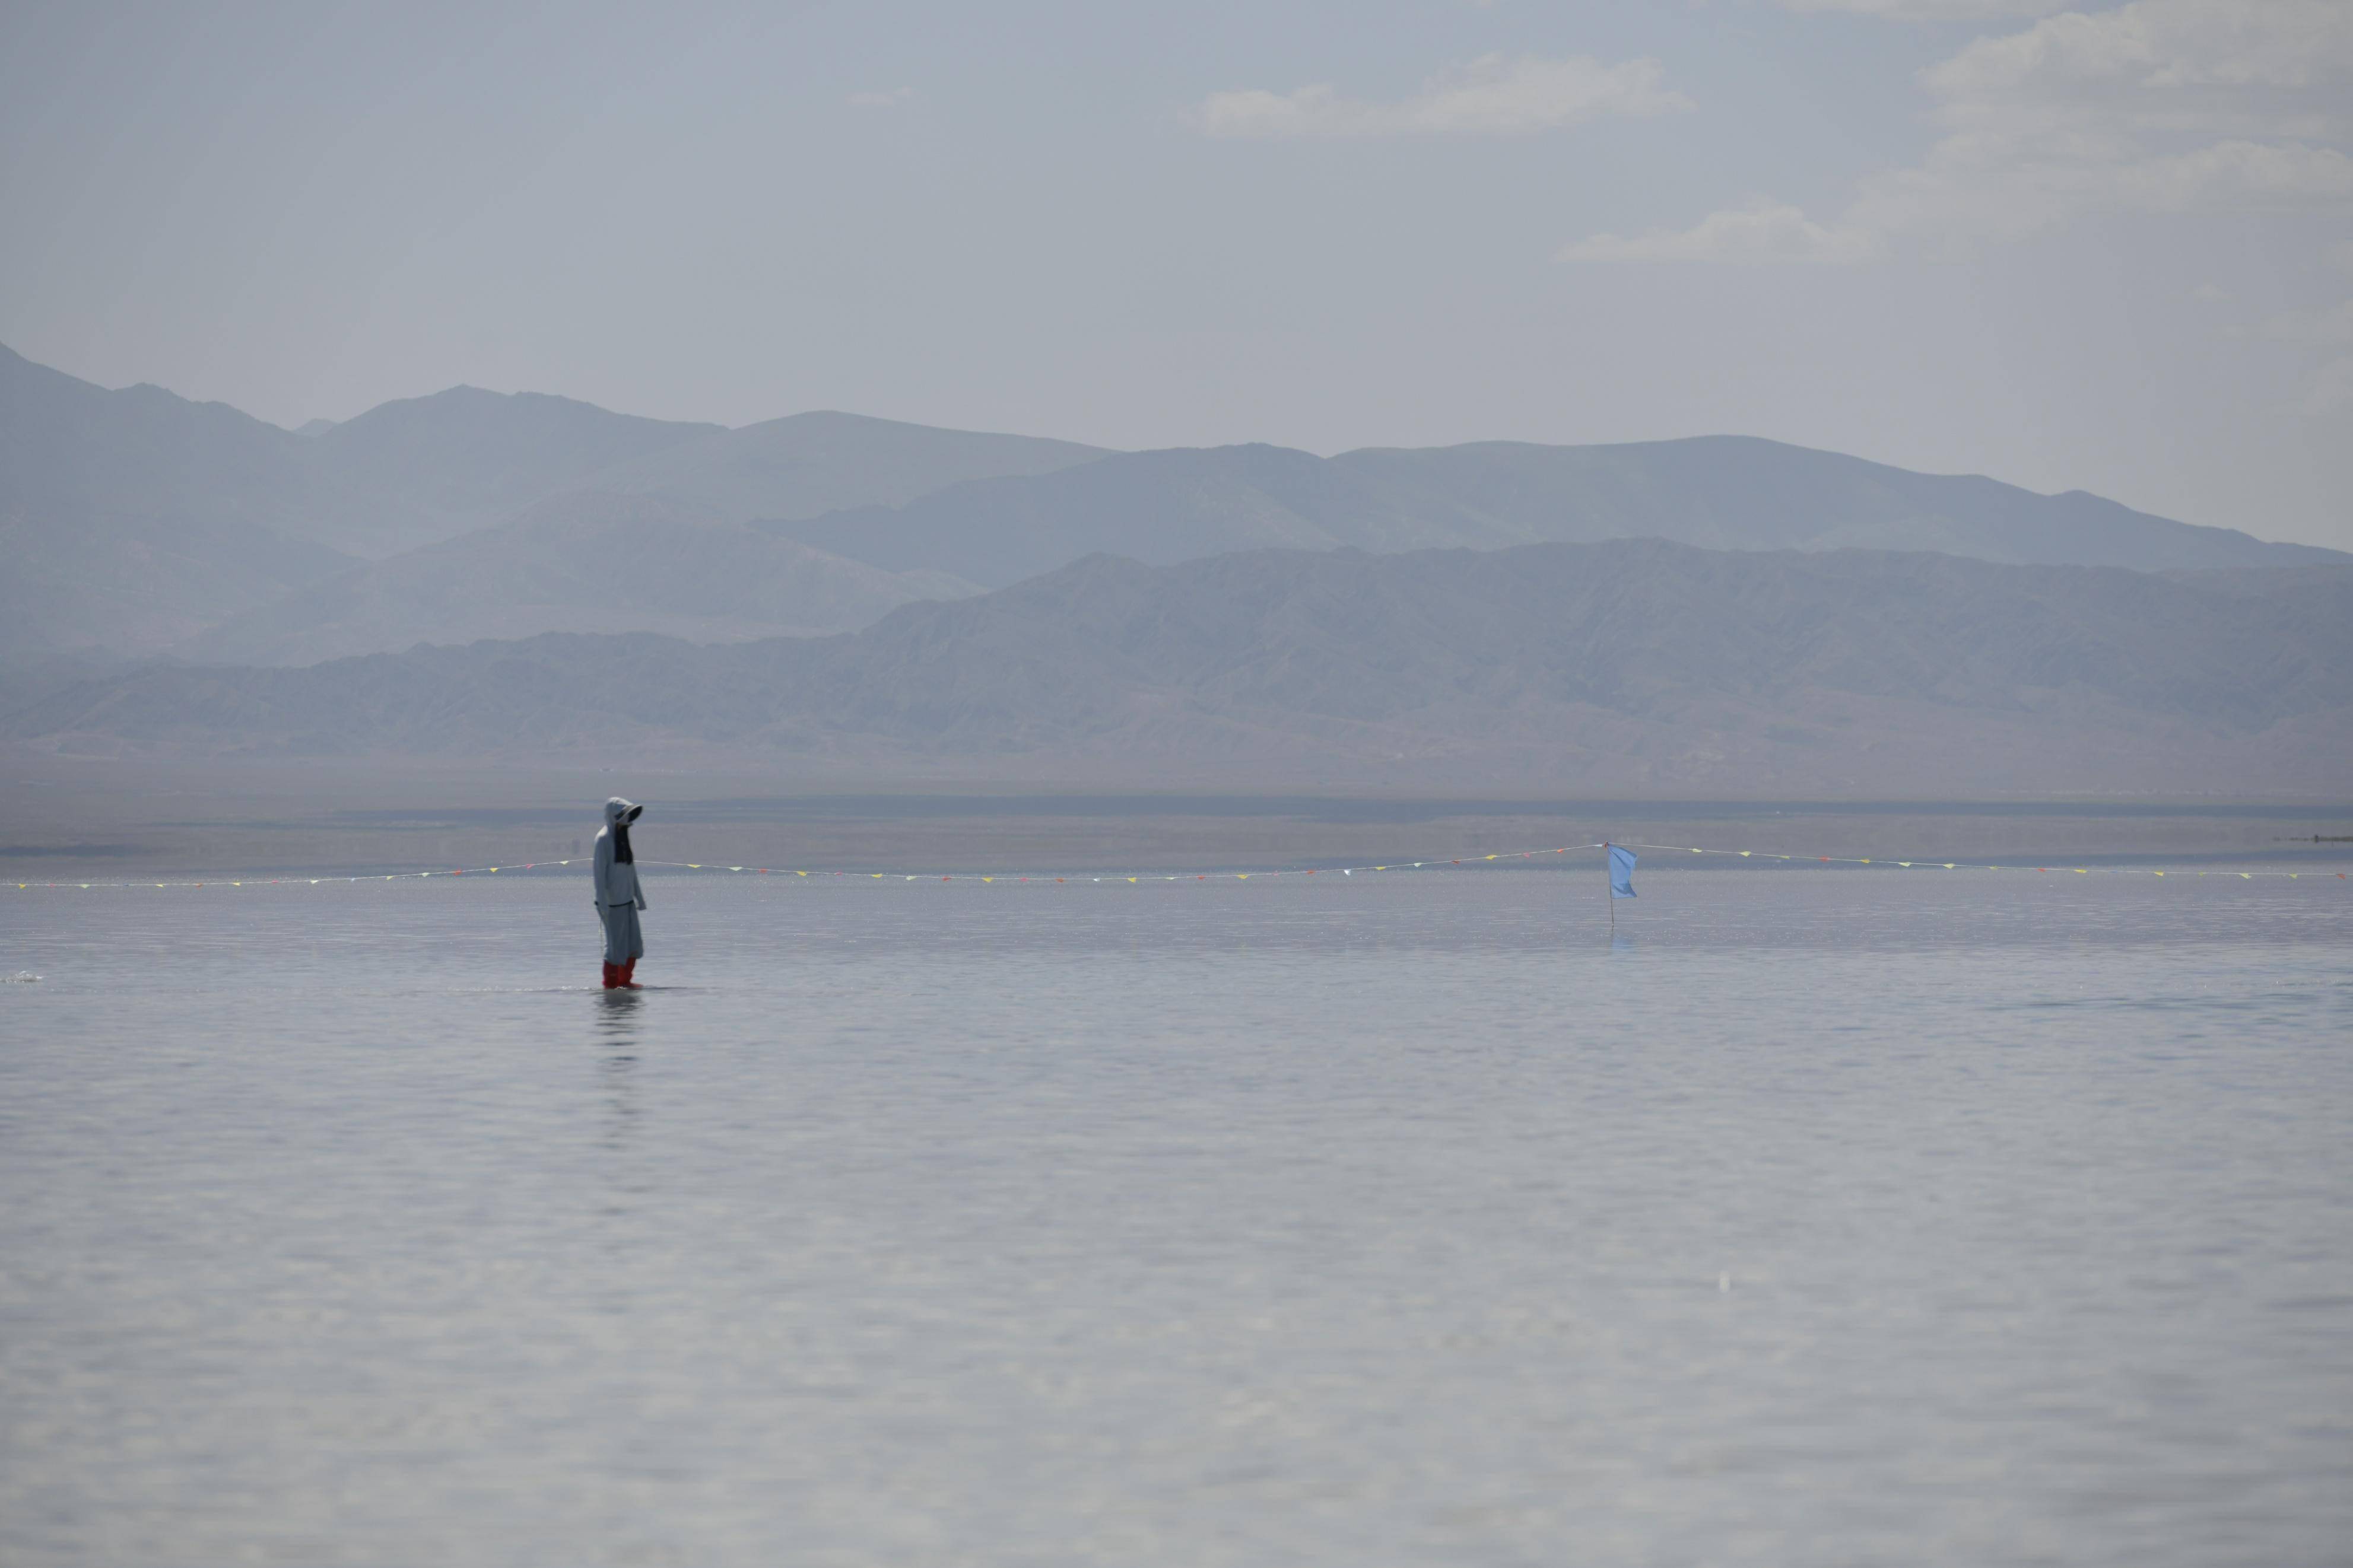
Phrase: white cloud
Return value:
(890, 100)
(1761, 231)
(1494, 95)
(2158, 44)
(2234, 172)
(2166, 106)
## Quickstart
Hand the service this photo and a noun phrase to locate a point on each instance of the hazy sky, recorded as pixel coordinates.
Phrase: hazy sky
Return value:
(2109, 249)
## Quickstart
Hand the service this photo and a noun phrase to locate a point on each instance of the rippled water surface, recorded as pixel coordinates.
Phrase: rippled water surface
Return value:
(1823, 1217)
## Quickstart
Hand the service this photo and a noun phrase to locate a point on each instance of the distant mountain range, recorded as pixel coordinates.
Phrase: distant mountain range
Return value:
(137, 522)
(422, 469)
(577, 562)
(806, 465)
(1636, 665)
(131, 518)
(1725, 492)
(428, 469)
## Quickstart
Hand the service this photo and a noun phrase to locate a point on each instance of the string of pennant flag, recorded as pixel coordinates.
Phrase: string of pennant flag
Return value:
(713, 868)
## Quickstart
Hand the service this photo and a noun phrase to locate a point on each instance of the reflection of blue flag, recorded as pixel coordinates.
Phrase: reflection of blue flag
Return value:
(1621, 872)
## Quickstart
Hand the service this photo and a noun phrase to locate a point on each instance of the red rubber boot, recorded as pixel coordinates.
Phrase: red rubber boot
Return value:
(629, 976)
(612, 976)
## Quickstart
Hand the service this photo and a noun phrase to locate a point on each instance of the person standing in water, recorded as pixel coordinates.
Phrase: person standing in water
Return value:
(619, 896)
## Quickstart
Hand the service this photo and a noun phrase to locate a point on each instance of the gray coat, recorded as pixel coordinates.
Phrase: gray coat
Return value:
(619, 896)
(616, 881)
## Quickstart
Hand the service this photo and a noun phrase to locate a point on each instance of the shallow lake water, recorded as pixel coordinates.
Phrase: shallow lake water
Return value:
(1823, 1217)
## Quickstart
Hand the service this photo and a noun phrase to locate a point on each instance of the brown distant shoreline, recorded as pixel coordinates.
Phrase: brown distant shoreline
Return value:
(71, 817)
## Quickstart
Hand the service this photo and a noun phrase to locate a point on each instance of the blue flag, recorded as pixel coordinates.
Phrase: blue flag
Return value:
(1621, 872)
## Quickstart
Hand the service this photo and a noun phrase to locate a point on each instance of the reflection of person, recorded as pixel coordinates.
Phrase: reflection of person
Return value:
(618, 897)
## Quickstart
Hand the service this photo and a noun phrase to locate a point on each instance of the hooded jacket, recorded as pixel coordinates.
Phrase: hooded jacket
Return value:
(616, 879)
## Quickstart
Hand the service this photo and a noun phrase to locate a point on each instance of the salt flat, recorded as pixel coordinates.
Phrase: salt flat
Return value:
(1820, 1215)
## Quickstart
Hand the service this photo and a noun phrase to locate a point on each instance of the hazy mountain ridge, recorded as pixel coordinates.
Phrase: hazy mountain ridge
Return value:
(1722, 492)
(1746, 493)
(138, 522)
(1157, 507)
(143, 452)
(421, 469)
(430, 469)
(576, 563)
(806, 465)
(131, 518)
(1639, 664)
